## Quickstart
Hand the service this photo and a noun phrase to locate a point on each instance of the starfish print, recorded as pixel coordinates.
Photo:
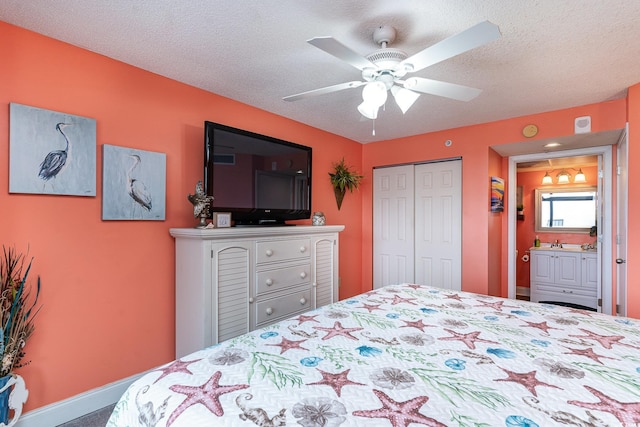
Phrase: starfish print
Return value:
(496, 305)
(453, 296)
(175, 367)
(338, 330)
(588, 353)
(527, 380)
(371, 307)
(398, 300)
(418, 324)
(605, 340)
(414, 286)
(542, 326)
(287, 344)
(335, 381)
(207, 394)
(302, 318)
(469, 339)
(627, 413)
(400, 413)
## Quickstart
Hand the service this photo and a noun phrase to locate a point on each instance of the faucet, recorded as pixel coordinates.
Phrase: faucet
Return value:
(557, 244)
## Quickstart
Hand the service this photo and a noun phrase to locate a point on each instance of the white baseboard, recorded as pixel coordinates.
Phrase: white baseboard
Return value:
(76, 406)
(523, 291)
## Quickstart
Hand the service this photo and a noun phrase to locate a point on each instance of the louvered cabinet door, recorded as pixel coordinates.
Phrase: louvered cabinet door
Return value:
(231, 272)
(325, 254)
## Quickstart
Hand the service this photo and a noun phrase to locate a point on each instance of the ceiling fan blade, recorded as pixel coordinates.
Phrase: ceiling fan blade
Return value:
(471, 38)
(444, 89)
(323, 90)
(340, 51)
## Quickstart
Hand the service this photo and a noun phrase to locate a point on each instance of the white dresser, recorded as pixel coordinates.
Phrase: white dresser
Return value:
(233, 280)
(564, 276)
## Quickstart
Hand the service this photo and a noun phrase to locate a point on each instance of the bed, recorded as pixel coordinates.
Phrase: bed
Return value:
(405, 355)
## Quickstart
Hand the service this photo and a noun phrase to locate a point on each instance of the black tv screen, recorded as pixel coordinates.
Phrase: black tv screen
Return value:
(259, 179)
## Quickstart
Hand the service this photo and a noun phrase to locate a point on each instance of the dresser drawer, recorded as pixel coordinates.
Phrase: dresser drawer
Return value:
(282, 250)
(278, 279)
(273, 309)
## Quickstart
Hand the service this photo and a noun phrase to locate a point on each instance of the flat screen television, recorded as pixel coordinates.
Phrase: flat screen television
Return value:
(259, 179)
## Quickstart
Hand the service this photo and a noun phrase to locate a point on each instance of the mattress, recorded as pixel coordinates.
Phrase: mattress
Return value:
(405, 355)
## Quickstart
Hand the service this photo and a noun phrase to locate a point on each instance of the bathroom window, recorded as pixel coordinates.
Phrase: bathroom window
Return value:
(566, 210)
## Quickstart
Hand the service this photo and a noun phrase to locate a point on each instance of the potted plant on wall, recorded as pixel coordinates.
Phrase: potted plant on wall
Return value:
(17, 312)
(343, 178)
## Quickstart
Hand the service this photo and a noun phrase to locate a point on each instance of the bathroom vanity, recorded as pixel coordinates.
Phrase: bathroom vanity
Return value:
(566, 276)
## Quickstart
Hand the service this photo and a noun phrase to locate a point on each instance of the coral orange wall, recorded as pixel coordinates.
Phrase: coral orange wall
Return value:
(525, 230)
(472, 143)
(108, 286)
(494, 232)
(633, 228)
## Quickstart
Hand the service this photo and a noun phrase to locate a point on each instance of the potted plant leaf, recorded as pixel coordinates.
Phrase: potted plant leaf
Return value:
(343, 178)
(17, 312)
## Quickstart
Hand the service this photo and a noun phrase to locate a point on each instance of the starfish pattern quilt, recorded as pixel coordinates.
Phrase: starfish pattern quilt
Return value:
(405, 355)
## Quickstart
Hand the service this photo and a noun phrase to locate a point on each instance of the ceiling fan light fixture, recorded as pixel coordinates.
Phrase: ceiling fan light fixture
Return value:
(404, 97)
(368, 110)
(374, 93)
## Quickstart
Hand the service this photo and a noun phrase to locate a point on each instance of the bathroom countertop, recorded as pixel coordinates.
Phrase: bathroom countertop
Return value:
(567, 247)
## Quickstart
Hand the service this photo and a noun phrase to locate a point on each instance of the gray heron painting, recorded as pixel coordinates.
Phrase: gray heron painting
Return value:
(133, 184)
(56, 161)
(136, 188)
(51, 152)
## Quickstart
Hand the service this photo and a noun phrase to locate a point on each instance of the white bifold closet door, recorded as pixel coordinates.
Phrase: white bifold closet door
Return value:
(417, 211)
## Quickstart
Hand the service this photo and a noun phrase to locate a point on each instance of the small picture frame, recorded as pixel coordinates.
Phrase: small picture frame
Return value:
(221, 219)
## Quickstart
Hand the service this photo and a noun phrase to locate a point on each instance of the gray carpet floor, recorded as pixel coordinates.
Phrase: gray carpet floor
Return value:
(98, 418)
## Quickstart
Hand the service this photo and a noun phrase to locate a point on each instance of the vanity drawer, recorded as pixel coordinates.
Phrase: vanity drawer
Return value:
(566, 290)
(270, 310)
(280, 278)
(282, 250)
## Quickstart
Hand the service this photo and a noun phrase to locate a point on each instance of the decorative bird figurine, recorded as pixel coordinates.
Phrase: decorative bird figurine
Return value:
(201, 204)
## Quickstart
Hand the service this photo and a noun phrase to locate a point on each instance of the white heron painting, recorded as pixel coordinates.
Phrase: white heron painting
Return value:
(133, 184)
(51, 152)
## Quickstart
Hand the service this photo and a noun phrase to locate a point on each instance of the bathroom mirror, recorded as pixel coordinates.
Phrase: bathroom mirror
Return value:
(565, 210)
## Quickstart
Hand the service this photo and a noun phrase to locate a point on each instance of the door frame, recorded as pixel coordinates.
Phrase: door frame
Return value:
(604, 230)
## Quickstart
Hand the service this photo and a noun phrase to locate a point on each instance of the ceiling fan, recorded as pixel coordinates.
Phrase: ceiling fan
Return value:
(384, 70)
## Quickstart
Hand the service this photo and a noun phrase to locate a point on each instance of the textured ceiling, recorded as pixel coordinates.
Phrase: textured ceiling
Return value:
(552, 54)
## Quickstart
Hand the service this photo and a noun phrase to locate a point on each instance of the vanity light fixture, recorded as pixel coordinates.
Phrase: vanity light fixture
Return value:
(564, 177)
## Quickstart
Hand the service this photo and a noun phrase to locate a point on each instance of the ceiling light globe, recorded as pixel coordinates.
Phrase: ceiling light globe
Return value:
(374, 93)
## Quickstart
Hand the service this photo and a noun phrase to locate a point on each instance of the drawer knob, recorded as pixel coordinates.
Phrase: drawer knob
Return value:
(303, 248)
(303, 301)
(303, 274)
(250, 300)
(269, 282)
(268, 252)
(269, 311)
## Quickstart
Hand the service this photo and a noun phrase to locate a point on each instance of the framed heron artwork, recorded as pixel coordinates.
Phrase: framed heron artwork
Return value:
(133, 184)
(51, 152)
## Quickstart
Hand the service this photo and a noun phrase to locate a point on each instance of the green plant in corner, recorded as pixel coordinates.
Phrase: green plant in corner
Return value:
(17, 309)
(343, 178)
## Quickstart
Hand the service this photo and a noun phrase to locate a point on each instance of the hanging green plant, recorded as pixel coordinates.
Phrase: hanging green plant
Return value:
(343, 178)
